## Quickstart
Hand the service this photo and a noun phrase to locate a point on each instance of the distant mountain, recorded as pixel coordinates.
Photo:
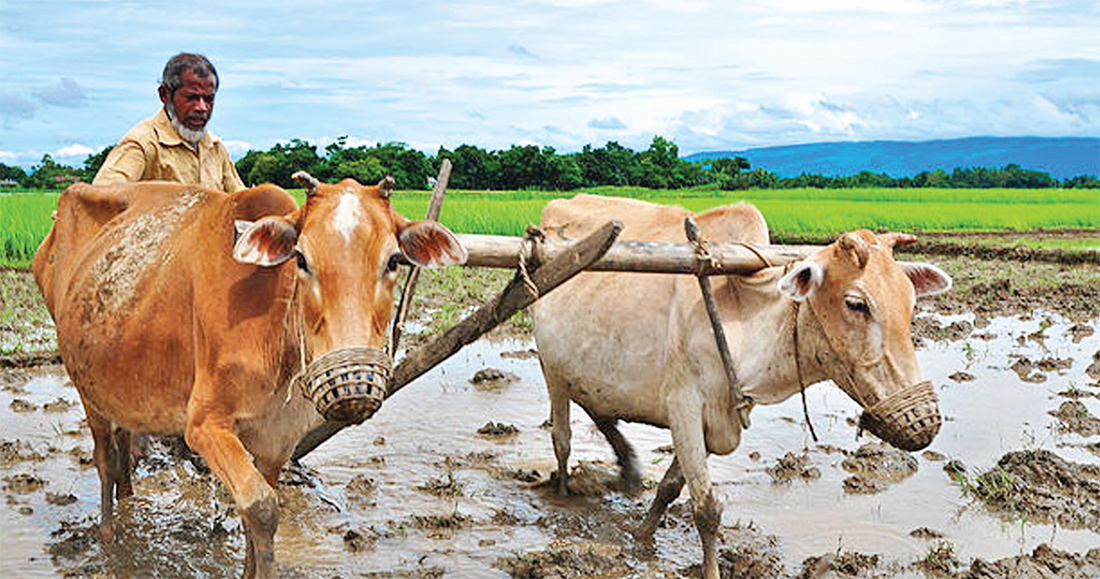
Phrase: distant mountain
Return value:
(1061, 158)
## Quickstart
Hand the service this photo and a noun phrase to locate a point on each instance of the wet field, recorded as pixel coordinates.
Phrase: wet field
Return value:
(449, 478)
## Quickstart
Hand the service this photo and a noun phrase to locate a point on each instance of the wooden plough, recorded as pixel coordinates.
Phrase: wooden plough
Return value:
(543, 264)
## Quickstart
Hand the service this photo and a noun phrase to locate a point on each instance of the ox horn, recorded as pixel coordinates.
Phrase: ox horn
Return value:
(891, 239)
(386, 186)
(856, 246)
(308, 181)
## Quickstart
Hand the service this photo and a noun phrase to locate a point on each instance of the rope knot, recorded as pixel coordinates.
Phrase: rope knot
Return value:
(527, 251)
(704, 259)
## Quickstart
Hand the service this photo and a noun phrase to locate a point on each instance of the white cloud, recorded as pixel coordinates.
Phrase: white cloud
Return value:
(566, 73)
(236, 149)
(74, 151)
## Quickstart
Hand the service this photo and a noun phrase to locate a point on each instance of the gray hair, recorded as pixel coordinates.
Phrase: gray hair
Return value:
(172, 77)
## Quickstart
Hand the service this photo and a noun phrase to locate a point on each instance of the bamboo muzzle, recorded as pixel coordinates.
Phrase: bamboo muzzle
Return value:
(908, 419)
(348, 385)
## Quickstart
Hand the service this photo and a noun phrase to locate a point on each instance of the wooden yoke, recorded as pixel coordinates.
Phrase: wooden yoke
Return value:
(638, 256)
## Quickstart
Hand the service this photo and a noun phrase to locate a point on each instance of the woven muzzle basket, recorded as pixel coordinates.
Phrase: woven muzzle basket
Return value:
(909, 419)
(349, 384)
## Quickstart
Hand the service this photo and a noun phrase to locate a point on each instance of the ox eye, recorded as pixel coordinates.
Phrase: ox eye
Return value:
(391, 265)
(302, 263)
(857, 304)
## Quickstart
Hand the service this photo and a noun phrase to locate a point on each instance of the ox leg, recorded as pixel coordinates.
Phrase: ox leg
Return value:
(123, 464)
(561, 432)
(106, 459)
(691, 451)
(629, 476)
(255, 497)
(669, 489)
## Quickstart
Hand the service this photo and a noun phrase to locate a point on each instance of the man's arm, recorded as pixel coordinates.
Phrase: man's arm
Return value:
(232, 181)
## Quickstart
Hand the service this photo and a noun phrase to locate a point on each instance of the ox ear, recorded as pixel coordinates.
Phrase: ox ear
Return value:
(267, 242)
(802, 280)
(927, 279)
(430, 244)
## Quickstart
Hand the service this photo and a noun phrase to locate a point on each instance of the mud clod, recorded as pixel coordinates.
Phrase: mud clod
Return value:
(498, 430)
(875, 466)
(491, 379)
(1074, 417)
(793, 467)
(1044, 487)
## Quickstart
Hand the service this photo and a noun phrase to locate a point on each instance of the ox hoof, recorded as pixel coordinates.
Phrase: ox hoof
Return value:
(107, 533)
(631, 484)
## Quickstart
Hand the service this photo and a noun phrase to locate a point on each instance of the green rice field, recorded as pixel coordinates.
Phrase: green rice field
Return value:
(25, 217)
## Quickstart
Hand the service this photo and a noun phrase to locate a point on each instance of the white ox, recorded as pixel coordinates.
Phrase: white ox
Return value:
(640, 347)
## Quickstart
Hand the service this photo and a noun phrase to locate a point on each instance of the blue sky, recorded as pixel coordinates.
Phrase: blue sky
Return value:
(709, 75)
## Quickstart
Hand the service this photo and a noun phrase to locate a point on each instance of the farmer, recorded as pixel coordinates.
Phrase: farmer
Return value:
(174, 145)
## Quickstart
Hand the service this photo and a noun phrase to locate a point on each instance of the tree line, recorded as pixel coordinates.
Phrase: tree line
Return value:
(534, 167)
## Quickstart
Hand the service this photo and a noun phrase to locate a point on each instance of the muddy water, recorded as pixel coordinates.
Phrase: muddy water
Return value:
(418, 491)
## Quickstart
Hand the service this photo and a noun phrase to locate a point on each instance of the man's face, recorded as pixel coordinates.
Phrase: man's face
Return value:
(193, 102)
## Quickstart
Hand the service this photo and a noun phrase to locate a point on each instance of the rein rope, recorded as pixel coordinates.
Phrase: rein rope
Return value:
(798, 372)
(300, 326)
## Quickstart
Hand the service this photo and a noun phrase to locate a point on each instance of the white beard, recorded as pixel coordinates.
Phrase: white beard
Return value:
(190, 135)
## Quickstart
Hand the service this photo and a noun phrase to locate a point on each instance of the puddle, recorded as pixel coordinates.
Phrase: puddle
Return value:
(443, 480)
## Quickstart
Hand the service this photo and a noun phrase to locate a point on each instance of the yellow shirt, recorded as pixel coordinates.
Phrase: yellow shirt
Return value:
(154, 151)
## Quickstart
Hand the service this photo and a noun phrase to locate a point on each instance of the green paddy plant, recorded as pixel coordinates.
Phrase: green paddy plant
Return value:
(797, 213)
(940, 560)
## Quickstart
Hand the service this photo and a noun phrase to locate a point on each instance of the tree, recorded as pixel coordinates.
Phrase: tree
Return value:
(9, 173)
(280, 162)
(521, 167)
(723, 172)
(612, 164)
(50, 175)
(1082, 182)
(662, 167)
(473, 168)
(94, 162)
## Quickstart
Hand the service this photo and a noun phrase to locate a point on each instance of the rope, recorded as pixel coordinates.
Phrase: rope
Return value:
(703, 256)
(527, 250)
(798, 372)
(300, 330)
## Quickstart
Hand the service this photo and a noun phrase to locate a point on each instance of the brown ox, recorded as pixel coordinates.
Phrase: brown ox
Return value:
(640, 347)
(181, 310)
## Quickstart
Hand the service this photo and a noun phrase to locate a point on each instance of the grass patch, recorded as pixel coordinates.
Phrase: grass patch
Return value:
(25, 217)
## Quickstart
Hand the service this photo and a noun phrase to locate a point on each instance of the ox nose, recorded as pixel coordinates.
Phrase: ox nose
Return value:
(909, 419)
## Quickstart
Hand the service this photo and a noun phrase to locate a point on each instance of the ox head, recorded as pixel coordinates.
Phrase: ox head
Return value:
(346, 244)
(862, 300)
